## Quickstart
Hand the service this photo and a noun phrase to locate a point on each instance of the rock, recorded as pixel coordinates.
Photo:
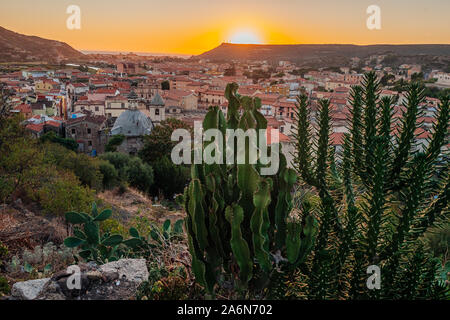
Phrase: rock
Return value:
(94, 275)
(28, 290)
(133, 270)
(118, 280)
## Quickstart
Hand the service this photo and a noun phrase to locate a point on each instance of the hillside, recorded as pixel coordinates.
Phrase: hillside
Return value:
(18, 47)
(326, 53)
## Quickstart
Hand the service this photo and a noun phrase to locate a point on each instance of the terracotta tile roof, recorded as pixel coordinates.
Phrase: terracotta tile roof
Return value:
(53, 123)
(35, 127)
(24, 108)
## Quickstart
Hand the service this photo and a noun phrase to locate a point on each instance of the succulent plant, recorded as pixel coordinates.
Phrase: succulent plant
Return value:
(237, 218)
(93, 245)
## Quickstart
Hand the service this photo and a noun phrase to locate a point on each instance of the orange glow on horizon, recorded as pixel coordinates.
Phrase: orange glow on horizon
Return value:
(193, 27)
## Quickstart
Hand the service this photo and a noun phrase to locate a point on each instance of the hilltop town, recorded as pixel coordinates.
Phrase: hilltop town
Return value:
(84, 102)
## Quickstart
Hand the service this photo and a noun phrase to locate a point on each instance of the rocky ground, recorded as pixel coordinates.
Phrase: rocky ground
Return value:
(133, 203)
(23, 227)
(117, 280)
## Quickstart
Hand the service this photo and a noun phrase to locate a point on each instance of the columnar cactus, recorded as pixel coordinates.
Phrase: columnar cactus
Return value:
(238, 221)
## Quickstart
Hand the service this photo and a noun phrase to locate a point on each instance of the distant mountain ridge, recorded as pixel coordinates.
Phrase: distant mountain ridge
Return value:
(311, 52)
(22, 48)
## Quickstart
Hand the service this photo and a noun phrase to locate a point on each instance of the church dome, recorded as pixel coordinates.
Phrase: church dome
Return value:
(132, 123)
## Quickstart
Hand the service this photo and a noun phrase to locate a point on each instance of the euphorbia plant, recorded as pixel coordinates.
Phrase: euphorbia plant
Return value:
(237, 219)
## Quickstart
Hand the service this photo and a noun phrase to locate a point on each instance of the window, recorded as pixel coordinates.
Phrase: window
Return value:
(122, 105)
(74, 131)
(96, 109)
(90, 143)
(109, 105)
(156, 112)
(89, 130)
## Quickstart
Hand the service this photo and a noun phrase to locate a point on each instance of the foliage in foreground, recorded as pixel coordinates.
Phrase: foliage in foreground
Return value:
(377, 203)
(47, 173)
(238, 223)
(106, 247)
(374, 206)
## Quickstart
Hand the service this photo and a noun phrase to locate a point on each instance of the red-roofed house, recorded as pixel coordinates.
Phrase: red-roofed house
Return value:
(186, 100)
(37, 130)
(24, 109)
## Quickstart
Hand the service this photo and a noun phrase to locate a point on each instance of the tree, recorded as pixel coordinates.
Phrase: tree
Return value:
(114, 143)
(19, 160)
(34, 171)
(5, 105)
(170, 179)
(110, 175)
(68, 143)
(119, 160)
(131, 170)
(5, 93)
(139, 175)
(61, 192)
(159, 144)
(85, 168)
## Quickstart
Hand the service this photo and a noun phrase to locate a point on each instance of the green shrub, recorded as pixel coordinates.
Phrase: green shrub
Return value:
(67, 143)
(139, 175)
(61, 193)
(85, 168)
(170, 179)
(172, 285)
(4, 286)
(110, 175)
(131, 170)
(98, 246)
(119, 160)
(375, 205)
(41, 261)
(3, 251)
(438, 240)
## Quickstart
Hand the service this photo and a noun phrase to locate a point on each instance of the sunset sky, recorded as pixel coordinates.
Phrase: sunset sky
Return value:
(195, 26)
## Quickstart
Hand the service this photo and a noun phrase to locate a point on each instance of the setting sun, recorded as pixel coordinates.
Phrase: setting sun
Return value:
(245, 37)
